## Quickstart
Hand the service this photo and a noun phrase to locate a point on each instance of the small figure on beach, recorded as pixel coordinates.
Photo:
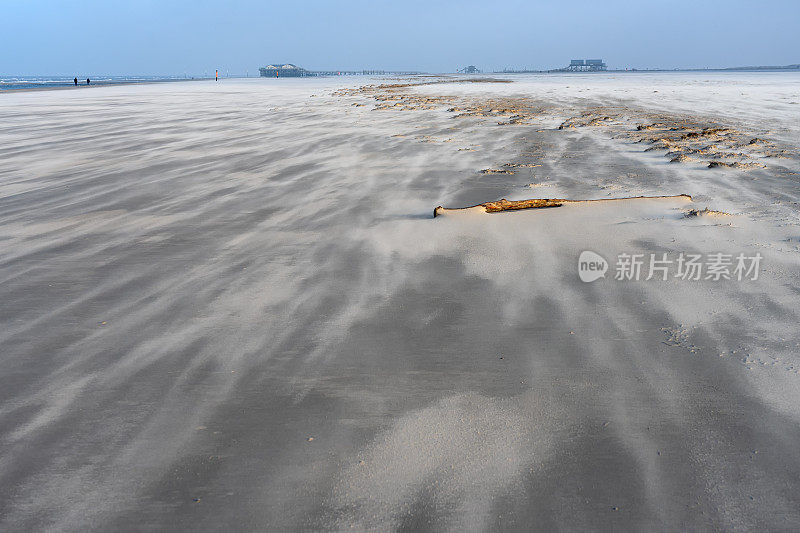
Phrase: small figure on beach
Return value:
(76, 82)
(88, 81)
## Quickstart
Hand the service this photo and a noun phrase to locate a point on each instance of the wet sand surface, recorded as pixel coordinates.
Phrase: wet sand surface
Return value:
(229, 305)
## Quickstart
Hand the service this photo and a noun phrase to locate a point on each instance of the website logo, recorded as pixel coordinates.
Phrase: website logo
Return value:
(591, 266)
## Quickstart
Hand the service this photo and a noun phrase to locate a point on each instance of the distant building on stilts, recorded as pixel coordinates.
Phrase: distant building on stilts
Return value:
(586, 65)
(471, 69)
(286, 70)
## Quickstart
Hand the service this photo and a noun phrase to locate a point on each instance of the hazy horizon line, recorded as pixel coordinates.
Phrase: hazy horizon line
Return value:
(256, 74)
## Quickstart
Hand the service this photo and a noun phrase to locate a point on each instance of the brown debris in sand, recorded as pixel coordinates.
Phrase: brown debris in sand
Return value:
(705, 213)
(407, 102)
(496, 171)
(734, 164)
(683, 139)
(588, 118)
(647, 127)
(688, 140)
(522, 165)
(394, 96)
(373, 89)
(517, 110)
(415, 83)
(707, 132)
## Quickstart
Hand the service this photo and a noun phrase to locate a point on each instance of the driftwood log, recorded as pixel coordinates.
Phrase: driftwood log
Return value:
(534, 203)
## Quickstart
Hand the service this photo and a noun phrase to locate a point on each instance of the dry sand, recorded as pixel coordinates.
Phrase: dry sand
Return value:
(228, 305)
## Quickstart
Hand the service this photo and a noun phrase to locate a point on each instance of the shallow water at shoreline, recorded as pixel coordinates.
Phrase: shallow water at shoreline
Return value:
(19, 83)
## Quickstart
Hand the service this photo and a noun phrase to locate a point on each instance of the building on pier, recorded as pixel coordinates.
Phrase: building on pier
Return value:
(285, 70)
(586, 65)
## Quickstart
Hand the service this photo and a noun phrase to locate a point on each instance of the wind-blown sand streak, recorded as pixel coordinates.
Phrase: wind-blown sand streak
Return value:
(228, 304)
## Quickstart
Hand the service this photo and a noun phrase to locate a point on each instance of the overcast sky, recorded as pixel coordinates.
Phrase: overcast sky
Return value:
(117, 37)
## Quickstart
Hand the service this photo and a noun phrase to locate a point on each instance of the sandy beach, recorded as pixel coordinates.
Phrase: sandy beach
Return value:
(230, 303)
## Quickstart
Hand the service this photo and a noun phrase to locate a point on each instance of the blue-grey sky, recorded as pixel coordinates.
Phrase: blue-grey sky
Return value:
(118, 37)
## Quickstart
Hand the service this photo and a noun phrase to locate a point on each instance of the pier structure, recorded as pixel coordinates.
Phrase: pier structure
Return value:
(289, 70)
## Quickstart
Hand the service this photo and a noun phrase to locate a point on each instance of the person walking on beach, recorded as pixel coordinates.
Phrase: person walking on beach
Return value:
(88, 81)
(76, 82)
